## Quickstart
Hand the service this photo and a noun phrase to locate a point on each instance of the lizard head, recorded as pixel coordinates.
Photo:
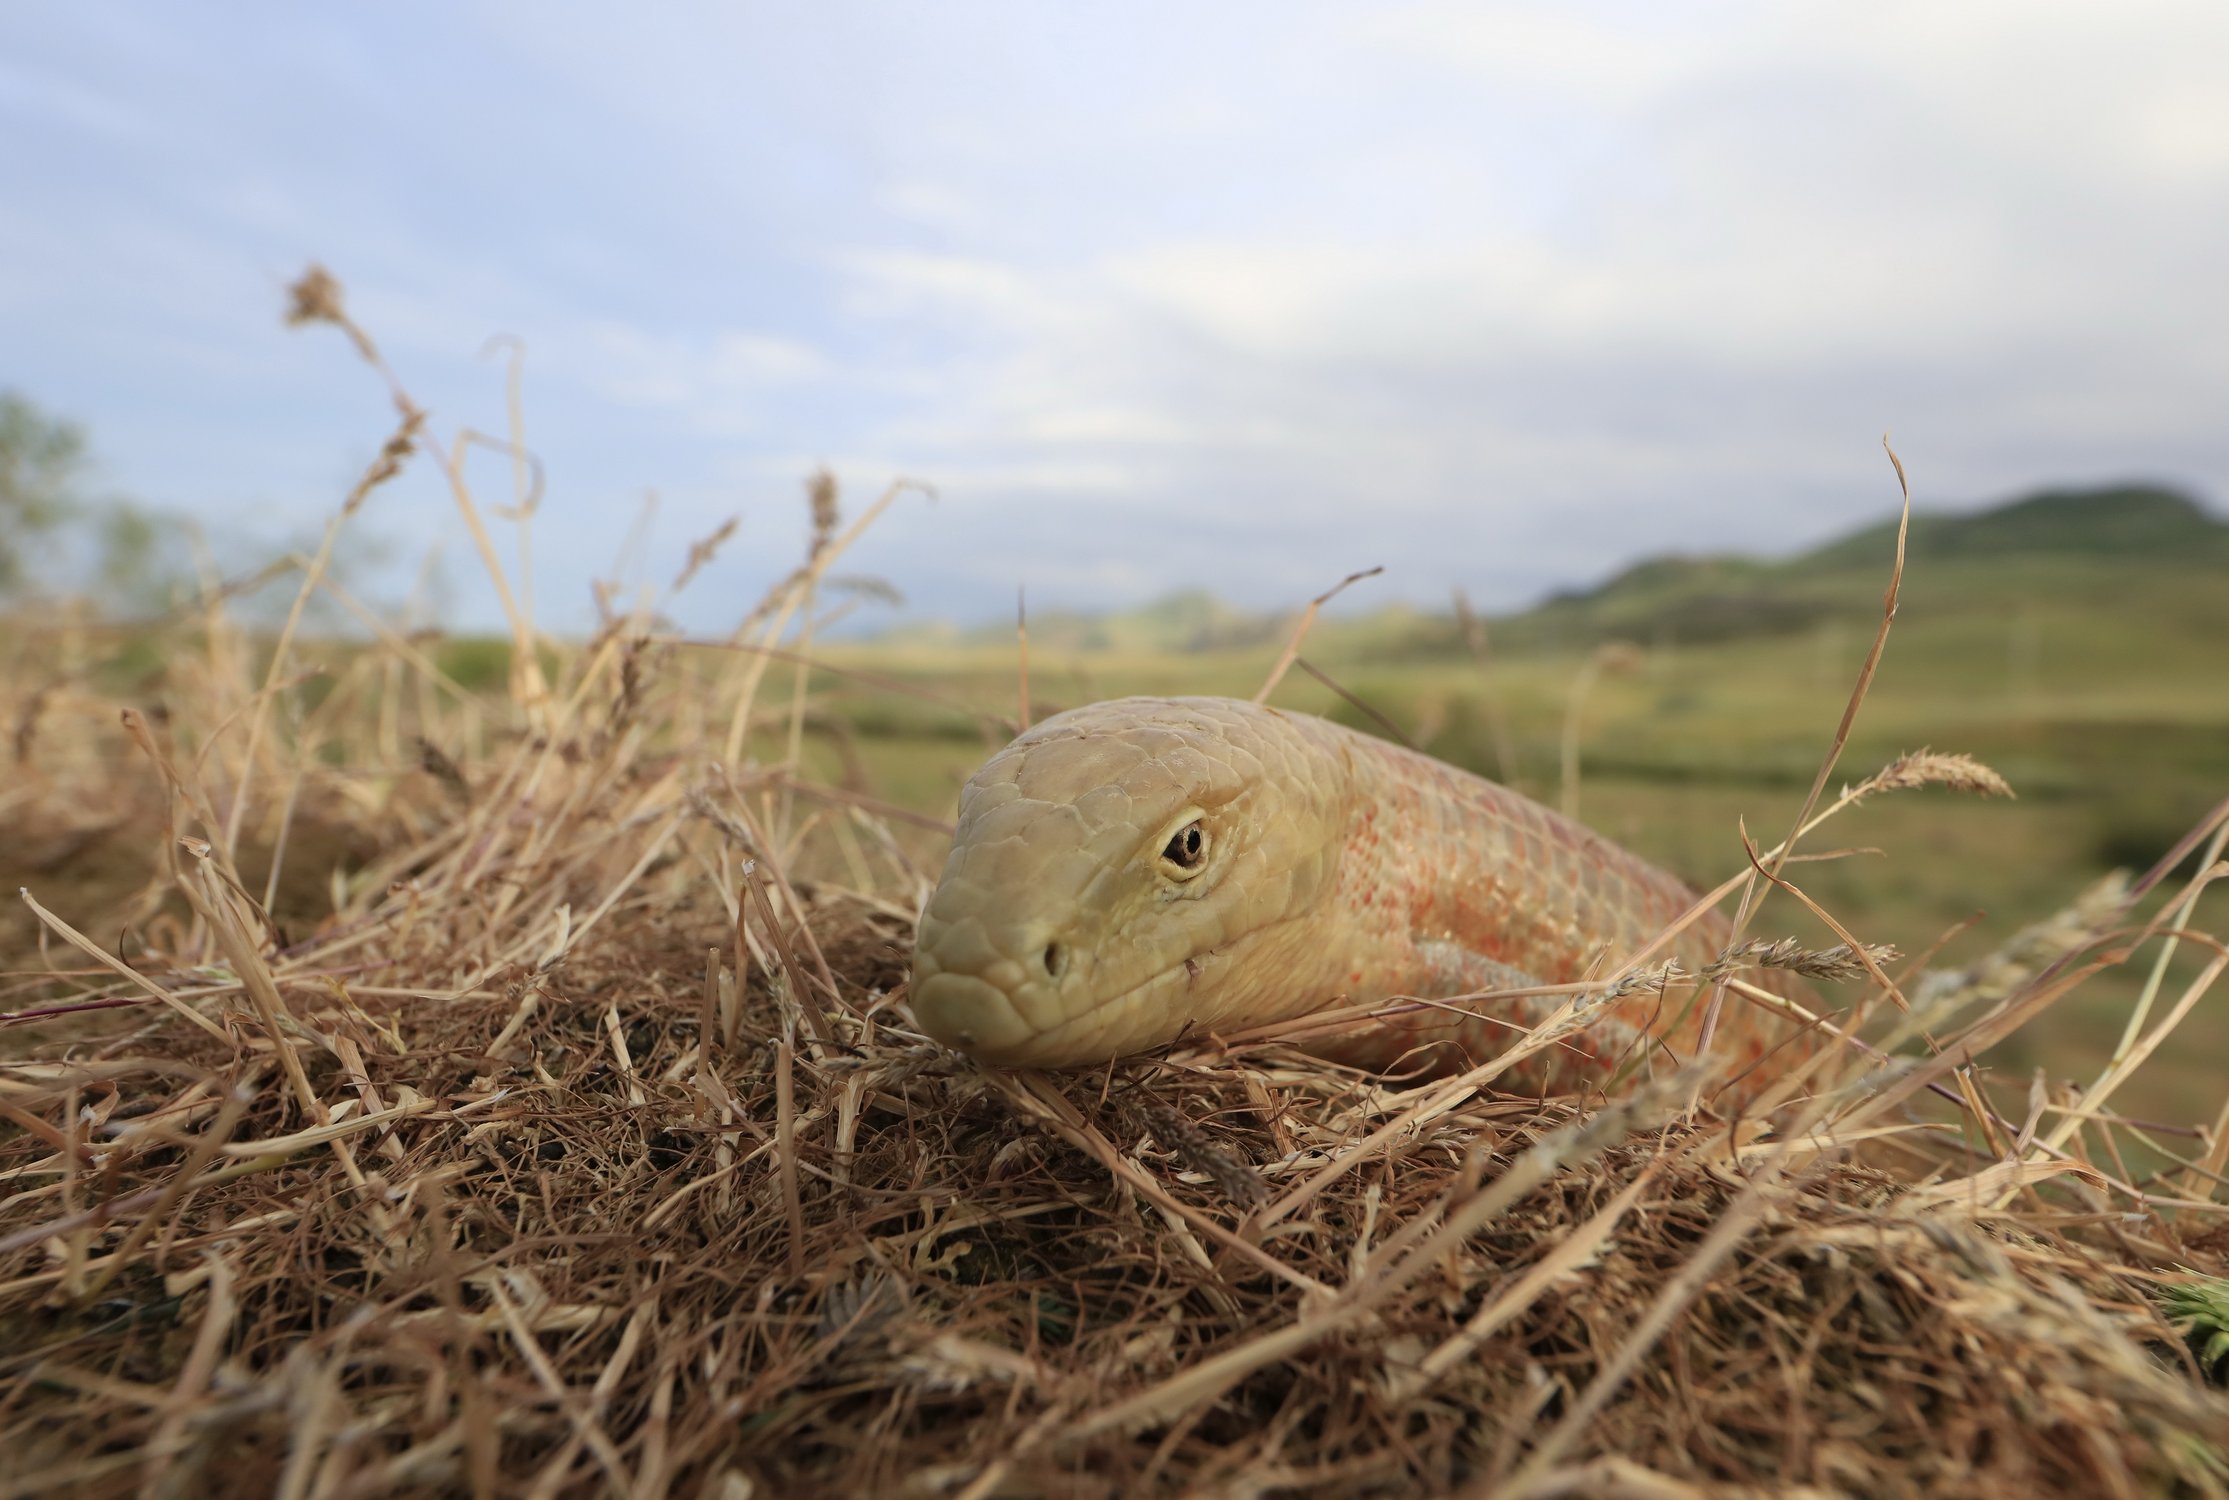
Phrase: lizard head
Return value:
(1118, 875)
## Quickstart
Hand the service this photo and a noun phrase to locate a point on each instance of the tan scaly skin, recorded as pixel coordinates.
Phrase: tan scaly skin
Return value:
(1142, 870)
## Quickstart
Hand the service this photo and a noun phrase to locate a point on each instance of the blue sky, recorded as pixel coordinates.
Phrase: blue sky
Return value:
(1241, 295)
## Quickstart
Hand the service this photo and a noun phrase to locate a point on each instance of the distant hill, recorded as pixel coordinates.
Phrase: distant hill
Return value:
(2118, 547)
(2127, 521)
(2131, 543)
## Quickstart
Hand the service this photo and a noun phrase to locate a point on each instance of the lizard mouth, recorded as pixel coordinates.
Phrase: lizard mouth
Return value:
(989, 1023)
(972, 1015)
(978, 1018)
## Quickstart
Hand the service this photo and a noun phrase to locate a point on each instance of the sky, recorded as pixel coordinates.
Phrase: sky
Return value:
(1242, 296)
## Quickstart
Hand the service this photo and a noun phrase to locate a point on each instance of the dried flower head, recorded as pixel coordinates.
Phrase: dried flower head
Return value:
(1841, 961)
(820, 492)
(2027, 953)
(1652, 977)
(1918, 768)
(1236, 1180)
(314, 298)
(702, 551)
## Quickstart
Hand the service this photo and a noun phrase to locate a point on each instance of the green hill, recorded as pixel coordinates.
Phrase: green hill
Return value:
(2133, 547)
(2123, 521)
(2140, 547)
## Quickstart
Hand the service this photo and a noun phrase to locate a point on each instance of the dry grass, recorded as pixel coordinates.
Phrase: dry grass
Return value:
(582, 1144)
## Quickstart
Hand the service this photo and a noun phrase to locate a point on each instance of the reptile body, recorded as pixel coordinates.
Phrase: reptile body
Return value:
(1146, 869)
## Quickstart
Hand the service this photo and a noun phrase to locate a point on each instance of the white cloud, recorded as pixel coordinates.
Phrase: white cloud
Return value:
(1496, 294)
(706, 376)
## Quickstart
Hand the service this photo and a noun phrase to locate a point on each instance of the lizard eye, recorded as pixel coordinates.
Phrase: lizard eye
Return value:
(1185, 854)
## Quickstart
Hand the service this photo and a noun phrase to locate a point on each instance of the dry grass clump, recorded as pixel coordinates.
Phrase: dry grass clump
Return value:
(585, 1146)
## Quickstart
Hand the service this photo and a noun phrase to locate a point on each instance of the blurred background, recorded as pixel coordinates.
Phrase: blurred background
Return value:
(1593, 314)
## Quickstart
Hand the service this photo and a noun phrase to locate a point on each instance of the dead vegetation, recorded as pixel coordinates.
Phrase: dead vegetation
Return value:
(584, 1146)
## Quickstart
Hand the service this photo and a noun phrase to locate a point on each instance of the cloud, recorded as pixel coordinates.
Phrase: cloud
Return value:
(1813, 231)
(1501, 296)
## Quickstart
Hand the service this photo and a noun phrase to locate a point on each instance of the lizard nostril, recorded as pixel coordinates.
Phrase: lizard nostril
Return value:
(1055, 959)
